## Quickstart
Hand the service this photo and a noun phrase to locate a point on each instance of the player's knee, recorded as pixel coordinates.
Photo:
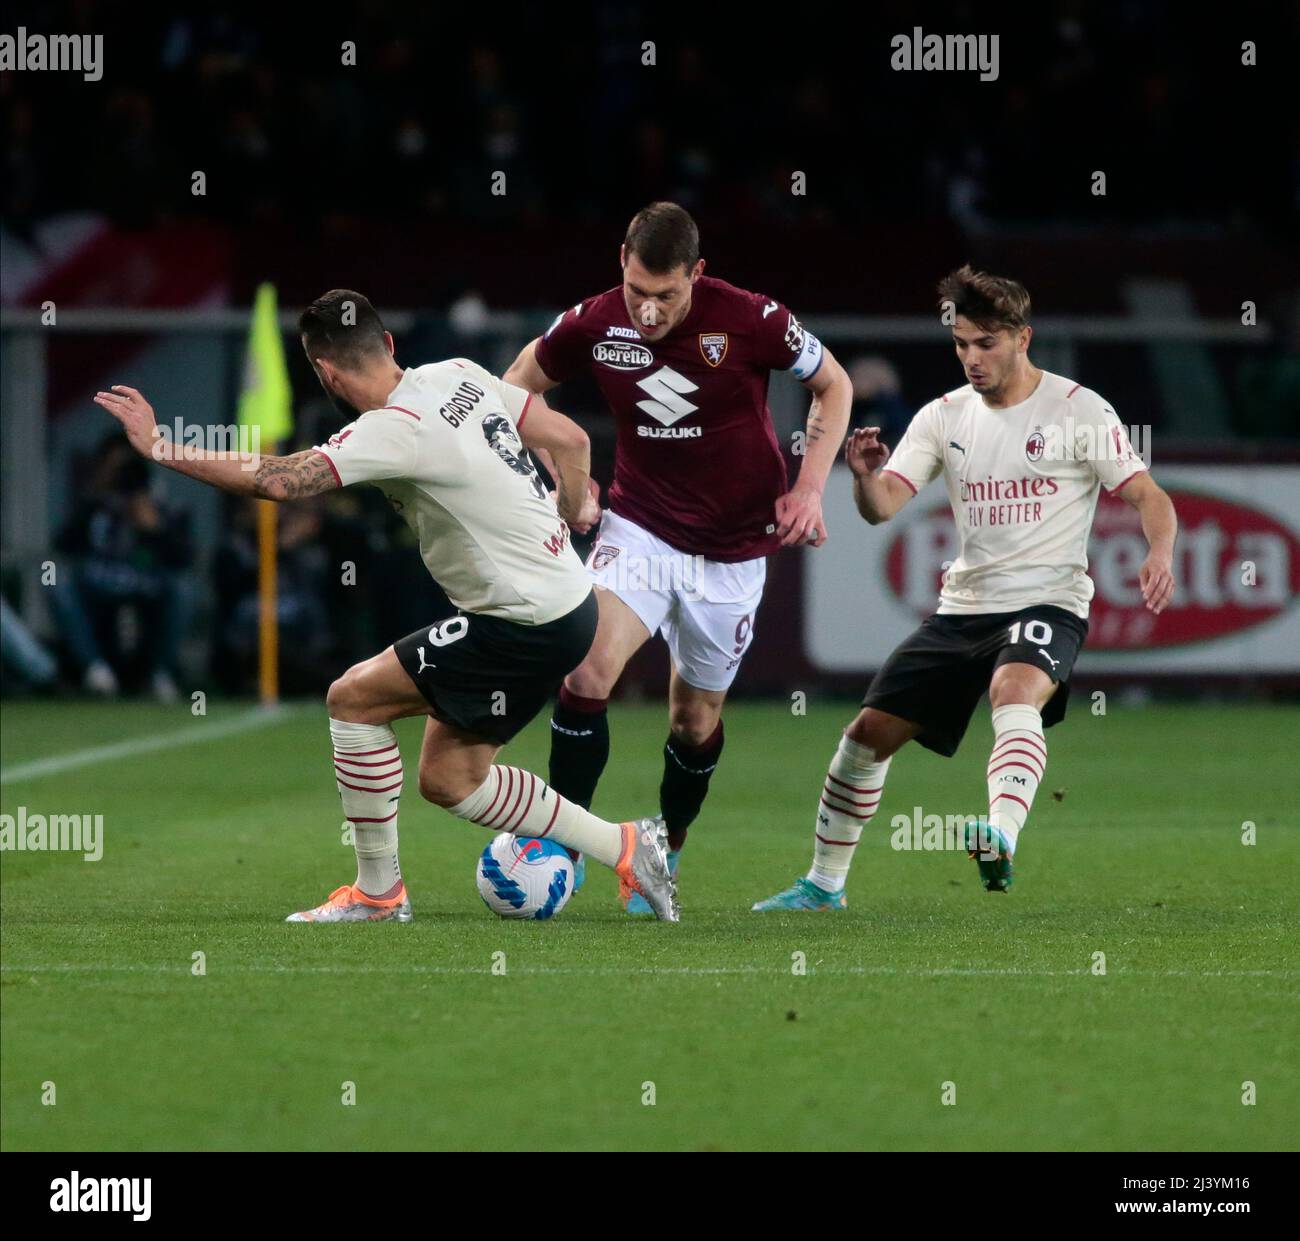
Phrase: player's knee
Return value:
(440, 788)
(1008, 691)
(868, 731)
(693, 723)
(345, 699)
(593, 678)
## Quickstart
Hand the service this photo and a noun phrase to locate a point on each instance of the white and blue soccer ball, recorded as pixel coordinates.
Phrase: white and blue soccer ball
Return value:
(523, 877)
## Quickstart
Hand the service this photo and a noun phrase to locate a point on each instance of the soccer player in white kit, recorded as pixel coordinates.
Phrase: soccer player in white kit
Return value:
(447, 445)
(1023, 454)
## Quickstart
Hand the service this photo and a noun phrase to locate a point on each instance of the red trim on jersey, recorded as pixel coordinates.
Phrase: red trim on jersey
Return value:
(1126, 482)
(945, 396)
(333, 467)
(524, 413)
(896, 474)
(401, 410)
(1072, 391)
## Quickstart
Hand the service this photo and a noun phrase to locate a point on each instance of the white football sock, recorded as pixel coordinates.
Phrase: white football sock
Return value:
(850, 795)
(514, 800)
(368, 771)
(1016, 765)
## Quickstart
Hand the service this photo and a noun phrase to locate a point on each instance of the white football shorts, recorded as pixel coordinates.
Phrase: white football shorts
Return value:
(705, 609)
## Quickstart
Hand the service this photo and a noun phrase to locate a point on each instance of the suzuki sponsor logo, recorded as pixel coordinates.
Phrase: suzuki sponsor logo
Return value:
(667, 403)
(1215, 596)
(622, 356)
(669, 433)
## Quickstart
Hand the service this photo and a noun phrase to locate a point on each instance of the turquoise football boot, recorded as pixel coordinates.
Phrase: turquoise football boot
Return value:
(992, 854)
(579, 872)
(803, 895)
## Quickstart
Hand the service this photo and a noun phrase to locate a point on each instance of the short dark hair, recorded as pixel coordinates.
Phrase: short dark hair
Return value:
(343, 327)
(664, 237)
(991, 302)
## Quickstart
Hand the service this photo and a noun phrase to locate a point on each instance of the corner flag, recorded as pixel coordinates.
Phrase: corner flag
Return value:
(266, 403)
(266, 400)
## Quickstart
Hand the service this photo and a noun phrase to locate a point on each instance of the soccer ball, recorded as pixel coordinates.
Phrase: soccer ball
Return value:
(523, 877)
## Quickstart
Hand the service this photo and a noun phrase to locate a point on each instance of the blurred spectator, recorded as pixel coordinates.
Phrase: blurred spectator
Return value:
(878, 398)
(119, 599)
(307, 633)
(21, 654)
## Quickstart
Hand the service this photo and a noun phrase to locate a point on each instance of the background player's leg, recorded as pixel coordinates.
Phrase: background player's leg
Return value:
(1018, 692)
(362, 704)
(691, 753)
(457, 773)
(580, 724)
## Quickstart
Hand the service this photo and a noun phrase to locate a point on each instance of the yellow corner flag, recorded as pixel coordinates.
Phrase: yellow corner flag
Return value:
(266, 401)
(266, 406)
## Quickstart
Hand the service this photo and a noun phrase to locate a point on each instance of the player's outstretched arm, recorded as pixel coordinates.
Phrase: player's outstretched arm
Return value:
(569, 460)
(246, 474)
(1160, 525)
(878, 496)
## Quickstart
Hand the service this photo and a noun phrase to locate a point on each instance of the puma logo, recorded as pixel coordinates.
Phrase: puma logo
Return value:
(419, 650)
(1046, 656)
(957, 446)
(767, 310)
(823, 820)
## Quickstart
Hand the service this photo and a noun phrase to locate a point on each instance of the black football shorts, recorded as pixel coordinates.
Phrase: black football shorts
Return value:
(491, 676)
(939, 673)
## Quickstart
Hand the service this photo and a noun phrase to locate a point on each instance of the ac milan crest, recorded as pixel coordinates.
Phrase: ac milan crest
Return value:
(713, 345)
(1035, 445)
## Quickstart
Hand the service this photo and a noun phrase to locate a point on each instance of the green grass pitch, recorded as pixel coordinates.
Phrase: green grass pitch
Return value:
(926, 980)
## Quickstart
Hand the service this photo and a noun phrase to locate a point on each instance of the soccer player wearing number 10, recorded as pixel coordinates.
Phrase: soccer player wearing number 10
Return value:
(1023, 454)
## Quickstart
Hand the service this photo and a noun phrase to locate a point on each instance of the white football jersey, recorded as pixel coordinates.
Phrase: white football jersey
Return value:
(446, 453)
(1023, 484)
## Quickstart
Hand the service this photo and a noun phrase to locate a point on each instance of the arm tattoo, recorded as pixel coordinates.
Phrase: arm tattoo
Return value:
(814, 423)
(293, 478)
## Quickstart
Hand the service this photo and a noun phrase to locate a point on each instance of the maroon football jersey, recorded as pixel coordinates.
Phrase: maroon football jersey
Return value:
(697, 462)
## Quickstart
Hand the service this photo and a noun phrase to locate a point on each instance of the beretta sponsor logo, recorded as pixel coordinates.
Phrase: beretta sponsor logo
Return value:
(622, 355)
(1216, 539)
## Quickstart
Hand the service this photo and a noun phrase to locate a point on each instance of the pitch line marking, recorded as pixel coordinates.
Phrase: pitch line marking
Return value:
(56, 764)
(568, 970)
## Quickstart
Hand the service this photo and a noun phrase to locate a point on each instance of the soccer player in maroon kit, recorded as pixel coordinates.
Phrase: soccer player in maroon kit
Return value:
(700, 495)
